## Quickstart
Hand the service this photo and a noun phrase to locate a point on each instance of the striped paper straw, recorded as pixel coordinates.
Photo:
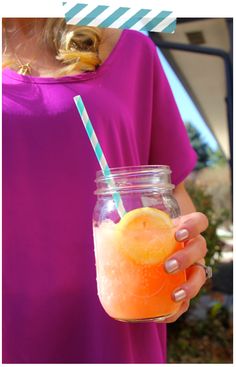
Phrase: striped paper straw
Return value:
(99, 153)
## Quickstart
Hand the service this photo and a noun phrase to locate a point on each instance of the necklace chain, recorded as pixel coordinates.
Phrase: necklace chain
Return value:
(23, 69)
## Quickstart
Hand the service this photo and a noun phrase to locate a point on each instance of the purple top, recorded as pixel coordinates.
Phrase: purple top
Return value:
(51, 312)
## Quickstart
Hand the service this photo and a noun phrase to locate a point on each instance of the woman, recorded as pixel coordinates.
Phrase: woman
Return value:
(51, 313)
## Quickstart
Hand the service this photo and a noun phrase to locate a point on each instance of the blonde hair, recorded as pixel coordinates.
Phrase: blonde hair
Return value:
(76, 47)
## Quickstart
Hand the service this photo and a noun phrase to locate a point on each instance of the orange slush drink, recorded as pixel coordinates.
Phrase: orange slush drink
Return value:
(132, 282)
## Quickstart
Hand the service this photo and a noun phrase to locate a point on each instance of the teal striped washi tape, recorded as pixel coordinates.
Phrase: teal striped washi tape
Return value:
(109, 14)
(99, 153)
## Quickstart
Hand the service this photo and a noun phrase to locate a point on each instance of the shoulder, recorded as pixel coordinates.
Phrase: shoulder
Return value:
(139, 40)
(132, 42)
(128, 37)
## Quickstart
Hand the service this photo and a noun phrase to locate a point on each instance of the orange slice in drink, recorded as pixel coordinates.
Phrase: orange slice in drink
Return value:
(146, 235)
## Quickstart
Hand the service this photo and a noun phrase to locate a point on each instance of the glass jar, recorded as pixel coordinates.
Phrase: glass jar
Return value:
(131, 248)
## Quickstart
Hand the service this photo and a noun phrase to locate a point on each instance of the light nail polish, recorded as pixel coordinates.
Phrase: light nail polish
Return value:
(179, 295)
(171, 265)
(182, 234)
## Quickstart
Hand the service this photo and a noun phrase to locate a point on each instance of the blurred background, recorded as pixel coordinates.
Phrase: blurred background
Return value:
(198, 63)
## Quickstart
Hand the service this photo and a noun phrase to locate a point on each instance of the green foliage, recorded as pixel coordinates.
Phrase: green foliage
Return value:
(218, 158)
(206, 156)
(215, 309)
(202, 341)
(204, 203)
(208, 340)
(201, 147)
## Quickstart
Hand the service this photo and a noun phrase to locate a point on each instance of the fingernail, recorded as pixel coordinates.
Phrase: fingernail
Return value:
(179, 295)
(182, 234)
(171, 265)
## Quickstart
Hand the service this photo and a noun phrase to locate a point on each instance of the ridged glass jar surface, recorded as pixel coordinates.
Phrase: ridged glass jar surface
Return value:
(132, 246)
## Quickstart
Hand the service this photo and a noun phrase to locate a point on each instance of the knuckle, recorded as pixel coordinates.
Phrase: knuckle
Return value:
(197, 248)
(203, 245)
(195, 292)
(203, 218)
(183, 259)
(192, 290)
(196, 289)
(203, 280)
(186, 306)
(205, 250)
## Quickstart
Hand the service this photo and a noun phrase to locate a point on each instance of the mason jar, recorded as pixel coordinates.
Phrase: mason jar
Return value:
(132, 244)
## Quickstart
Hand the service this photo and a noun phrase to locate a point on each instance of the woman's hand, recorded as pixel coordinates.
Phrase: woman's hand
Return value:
(189, 228)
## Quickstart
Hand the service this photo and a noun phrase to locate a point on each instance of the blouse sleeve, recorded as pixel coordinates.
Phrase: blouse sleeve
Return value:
(170, 144)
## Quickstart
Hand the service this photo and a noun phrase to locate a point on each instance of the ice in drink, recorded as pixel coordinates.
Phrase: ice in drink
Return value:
(132, 282)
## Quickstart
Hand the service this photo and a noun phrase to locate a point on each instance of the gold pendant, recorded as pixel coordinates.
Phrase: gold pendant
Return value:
(24, 69)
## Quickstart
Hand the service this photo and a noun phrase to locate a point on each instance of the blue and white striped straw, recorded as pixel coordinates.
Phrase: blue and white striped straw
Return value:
(99, 153)
(123, 14)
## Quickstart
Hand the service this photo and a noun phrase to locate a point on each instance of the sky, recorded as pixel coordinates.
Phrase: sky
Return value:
(187, 109)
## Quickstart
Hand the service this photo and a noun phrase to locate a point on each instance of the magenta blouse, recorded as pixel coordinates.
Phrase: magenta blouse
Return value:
(51, 312)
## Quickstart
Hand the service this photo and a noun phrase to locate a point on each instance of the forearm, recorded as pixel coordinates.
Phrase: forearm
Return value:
(185, 203)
